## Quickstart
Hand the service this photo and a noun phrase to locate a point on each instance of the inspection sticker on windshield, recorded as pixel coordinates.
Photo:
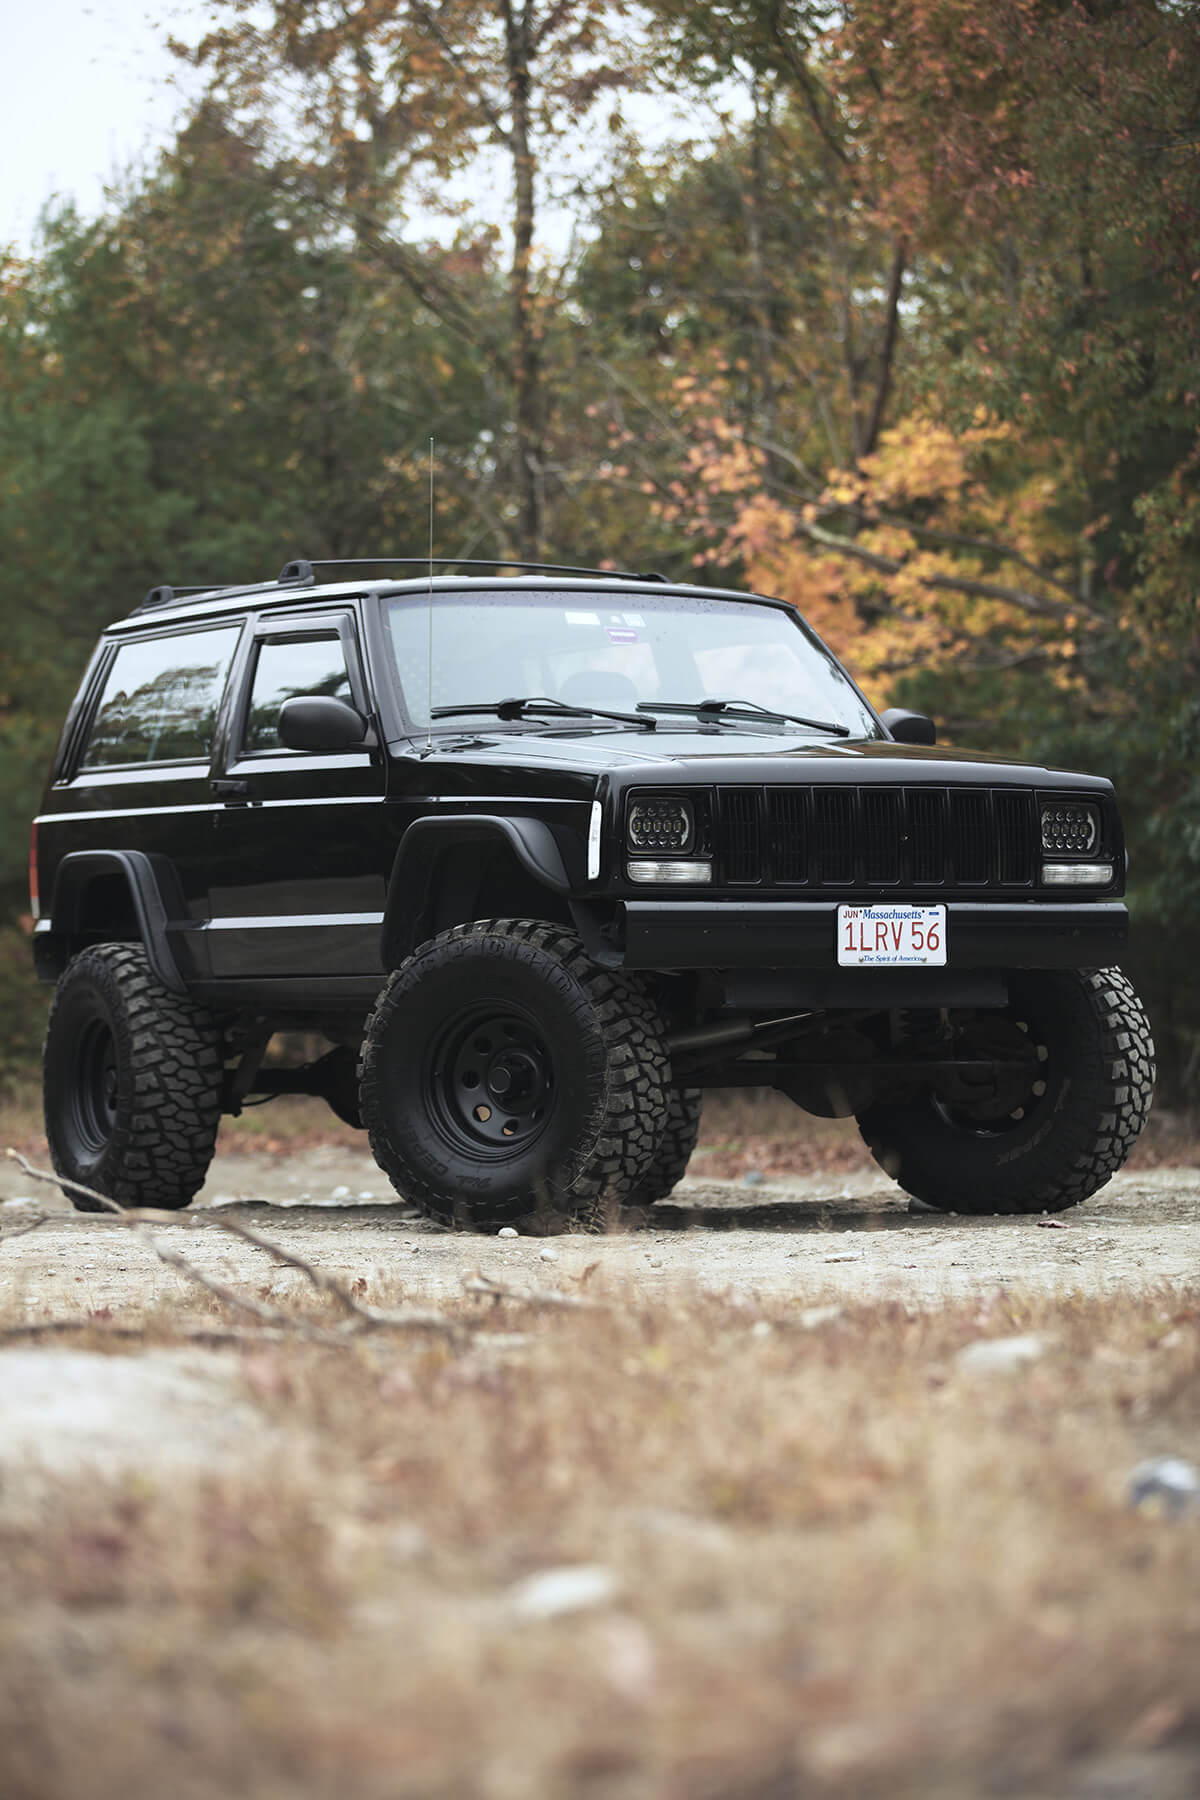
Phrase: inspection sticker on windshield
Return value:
(891, 937)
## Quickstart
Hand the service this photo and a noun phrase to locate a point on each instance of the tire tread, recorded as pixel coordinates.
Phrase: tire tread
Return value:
(161, 1156)
(670, 1161)
(637, 1073)
(1110, 1108)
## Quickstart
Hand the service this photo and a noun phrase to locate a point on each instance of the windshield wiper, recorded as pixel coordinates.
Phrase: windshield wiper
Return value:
(542, 706)
(740, 709)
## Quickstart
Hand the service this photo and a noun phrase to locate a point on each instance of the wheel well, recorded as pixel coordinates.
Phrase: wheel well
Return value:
(472, 881)
(100, 910)
(104, 911)
(491, 886)
(117, 896)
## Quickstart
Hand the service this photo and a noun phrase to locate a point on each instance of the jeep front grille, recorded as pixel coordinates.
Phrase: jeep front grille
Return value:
(855, 838)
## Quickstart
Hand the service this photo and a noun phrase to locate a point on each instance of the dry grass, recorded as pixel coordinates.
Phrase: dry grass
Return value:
(841, 1567)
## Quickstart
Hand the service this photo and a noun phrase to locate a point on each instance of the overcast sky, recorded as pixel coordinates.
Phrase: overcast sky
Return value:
(91, 91)
(87, 91)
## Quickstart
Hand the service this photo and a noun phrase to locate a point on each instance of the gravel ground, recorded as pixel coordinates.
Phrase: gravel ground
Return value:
(812, 1237)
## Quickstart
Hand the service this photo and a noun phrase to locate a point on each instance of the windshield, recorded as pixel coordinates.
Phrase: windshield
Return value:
(617, 651)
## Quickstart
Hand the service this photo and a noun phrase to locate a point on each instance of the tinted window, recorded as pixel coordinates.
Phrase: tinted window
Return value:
(284, 671)
(160, 699)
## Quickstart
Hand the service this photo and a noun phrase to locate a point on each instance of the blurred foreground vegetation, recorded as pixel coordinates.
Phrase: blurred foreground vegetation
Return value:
(901, 319)
(678, 1545)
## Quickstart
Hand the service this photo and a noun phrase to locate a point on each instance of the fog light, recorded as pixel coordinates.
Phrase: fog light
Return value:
(681, 873)
(1092, 874)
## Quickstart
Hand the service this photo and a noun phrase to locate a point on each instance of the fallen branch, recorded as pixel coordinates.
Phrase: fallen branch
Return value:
(213, 1335)
(257, 1309)
(484, 1287)
(34, 1223)
(359, 1318)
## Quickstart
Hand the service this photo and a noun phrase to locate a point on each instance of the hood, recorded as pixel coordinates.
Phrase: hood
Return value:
(703, 756)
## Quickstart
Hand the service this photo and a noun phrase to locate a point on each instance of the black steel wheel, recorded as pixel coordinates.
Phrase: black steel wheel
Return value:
(505, 1077)
(1080, 1078)
(131, 1082)
(670, 1160)
(490, 1079)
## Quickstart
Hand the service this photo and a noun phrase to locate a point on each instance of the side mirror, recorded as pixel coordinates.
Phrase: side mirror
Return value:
(320, 722)
(909, 727)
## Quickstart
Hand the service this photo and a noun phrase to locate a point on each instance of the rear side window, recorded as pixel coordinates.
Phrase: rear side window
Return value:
(286, 670)
(160, 699)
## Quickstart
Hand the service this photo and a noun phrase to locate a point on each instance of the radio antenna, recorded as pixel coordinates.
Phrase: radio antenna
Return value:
(429, 646)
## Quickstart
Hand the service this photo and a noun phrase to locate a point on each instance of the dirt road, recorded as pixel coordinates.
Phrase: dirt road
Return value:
(811, 1238)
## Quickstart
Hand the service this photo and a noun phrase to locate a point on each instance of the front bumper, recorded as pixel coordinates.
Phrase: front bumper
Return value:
(767, 934)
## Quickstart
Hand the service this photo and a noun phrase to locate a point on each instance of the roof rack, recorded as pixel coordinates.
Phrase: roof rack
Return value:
(300, 573)
(302, 570)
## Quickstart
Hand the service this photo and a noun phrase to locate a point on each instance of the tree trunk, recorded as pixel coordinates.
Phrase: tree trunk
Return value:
(526, 354)
(887, 354)
(755, 208)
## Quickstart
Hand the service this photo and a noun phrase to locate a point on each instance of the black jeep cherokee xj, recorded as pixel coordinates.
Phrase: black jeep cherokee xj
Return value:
(542, 857)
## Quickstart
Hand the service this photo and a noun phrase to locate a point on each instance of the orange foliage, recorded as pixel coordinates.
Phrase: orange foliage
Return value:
(938, 550)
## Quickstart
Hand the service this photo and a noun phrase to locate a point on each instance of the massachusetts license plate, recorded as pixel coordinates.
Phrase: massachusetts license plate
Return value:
(891, 937)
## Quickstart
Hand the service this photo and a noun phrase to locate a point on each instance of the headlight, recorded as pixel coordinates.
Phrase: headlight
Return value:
(1070, 829)
(661, 822)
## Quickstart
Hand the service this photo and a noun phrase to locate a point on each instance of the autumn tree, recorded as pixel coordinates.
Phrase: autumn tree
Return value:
(1015, 547)
(736, 295)
(1028, 163)
(784, 54)
(193, 388)
(905, 328)
(378, 110)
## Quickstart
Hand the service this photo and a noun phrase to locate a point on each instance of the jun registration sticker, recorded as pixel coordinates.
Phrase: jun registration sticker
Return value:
(891, 937)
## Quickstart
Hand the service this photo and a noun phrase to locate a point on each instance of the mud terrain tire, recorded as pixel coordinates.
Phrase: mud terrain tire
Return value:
(675, 1147)
(1095, 1070)
(505, 1078)
(131, 1083)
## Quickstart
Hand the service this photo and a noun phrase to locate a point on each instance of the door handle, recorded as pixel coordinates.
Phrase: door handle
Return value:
(233, 787)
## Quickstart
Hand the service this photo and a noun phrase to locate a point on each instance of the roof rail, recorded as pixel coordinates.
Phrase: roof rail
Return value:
(163, 596)
(297, 574)
(302, 570)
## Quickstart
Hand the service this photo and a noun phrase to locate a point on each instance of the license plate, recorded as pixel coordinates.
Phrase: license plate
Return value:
(891, 937)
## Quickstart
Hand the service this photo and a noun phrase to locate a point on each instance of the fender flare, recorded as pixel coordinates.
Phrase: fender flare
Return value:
(154, 889)
(427, 842)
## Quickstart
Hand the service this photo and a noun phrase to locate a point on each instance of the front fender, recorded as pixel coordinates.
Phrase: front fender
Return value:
(427, 843)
